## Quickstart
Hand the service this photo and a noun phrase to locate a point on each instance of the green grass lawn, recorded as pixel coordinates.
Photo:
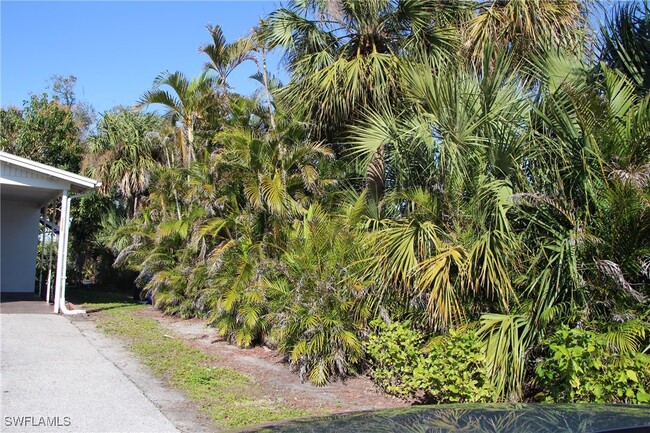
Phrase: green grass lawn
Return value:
(228, 397)
(93, 299)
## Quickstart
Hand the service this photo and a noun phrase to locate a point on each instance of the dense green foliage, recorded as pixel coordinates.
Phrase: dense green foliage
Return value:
(432, 176)
(42, 120)
(584, 366)
(449, 369)
(476, 175)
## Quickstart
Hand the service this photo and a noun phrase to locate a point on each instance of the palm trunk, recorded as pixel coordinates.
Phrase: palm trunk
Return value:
(184, 152)
(189, 144)
(265, 74)
(178, 207)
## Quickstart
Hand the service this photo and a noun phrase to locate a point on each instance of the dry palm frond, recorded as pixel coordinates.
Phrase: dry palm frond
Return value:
(614, 273)
(638, 176)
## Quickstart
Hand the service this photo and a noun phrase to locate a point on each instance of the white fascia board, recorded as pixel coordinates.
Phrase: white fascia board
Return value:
(47, 170)
(42, 181)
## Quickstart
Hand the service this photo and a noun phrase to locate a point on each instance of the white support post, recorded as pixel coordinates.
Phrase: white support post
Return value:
(61, 254)
(40, 273)
(62, 306)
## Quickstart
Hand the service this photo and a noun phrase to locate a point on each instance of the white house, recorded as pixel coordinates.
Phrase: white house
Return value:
(26, 187)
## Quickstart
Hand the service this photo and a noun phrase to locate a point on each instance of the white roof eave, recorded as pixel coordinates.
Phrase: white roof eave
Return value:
(80, 182)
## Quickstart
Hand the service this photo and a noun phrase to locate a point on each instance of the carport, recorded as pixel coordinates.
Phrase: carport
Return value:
(27, 189)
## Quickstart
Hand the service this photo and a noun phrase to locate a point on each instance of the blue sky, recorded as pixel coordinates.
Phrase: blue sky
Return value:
(115, 49)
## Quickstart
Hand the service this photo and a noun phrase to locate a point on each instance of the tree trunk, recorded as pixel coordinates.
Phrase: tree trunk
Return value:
(266, 88)
(190, 143)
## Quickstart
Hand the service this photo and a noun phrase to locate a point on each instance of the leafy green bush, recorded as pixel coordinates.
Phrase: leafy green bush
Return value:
(584, 368)
(453, 370)
(394, 354)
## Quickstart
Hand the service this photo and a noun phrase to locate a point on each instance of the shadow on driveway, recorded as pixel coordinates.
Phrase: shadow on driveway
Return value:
(23, 303)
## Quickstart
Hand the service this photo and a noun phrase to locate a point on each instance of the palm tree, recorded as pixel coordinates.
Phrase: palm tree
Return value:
(317, 310)
(225, 57)
(626, 42)
(188, 103)
(260, 45)
(526, 26)
(262, 181)
(584, 162)
(277, 170)
(123, 154)
(448, 167)
(345, 56)
(501, 196)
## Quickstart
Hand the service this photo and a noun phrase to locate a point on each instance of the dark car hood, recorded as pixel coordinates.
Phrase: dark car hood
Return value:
(473, 418)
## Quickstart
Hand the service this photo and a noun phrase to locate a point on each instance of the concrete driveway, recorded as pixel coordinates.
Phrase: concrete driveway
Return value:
(56, 379)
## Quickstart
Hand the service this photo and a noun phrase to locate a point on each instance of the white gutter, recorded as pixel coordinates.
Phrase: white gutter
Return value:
(61, 269)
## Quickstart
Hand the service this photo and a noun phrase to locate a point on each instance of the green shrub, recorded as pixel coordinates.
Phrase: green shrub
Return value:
(394, 354)
(238, 302)
(583, 368)
(318, 331)
(453, 370)
(317, 310)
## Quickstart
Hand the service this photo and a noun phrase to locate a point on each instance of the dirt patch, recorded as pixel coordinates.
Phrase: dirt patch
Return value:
(272, 376)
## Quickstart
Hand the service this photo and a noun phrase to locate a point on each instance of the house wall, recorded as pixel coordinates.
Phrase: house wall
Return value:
(18, 246)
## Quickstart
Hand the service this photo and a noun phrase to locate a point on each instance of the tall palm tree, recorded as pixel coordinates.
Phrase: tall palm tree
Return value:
(449, 166)
(260, 45)
(124, 152)
(187, 104)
